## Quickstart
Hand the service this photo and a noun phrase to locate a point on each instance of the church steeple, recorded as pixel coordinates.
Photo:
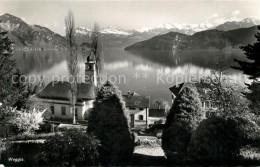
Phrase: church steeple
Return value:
(90, 70)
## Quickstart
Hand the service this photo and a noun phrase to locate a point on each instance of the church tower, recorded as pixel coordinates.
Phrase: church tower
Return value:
(90, 70)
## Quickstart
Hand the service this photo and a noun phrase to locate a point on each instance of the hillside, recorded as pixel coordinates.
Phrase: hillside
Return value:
(32, 36)
(204, 40)
(161, 42)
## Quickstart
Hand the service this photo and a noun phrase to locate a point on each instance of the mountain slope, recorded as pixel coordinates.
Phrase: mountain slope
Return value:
(33, 36)
(161, 42)
(247, 22)
(206, 40)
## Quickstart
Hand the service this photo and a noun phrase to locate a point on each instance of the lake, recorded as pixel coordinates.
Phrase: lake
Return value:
(148, 73)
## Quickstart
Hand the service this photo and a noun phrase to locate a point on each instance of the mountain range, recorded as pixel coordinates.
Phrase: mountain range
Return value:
(36, 36)
(204, 40)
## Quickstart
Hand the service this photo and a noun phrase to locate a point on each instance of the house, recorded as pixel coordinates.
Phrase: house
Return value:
(206, 103)
(156, 115)
(56, 95)
(138, 107)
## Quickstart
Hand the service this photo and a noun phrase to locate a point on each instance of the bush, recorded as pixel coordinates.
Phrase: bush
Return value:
(182, 120)
(108, 121)
(220, 140)
(70, 148)
(248, 130)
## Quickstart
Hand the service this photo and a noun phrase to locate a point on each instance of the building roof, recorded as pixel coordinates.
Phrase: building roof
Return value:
(156, 112)
(136, 101)
(60, 91)
(176, 89)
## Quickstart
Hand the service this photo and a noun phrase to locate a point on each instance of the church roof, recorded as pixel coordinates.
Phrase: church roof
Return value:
(60, 91)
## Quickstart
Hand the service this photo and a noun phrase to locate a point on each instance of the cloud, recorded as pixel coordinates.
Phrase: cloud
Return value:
(236, 12)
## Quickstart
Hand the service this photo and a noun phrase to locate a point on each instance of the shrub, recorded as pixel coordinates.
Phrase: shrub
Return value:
(248, 130)
(214, 139)
(218, 139)
(108, 121)
(27, 121)
(182, 120)
(70, 148)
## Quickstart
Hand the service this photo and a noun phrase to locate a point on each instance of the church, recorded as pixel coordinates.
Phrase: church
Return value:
(55, 96)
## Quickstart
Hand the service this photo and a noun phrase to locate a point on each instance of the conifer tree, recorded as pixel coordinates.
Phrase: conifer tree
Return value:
(183, 118)
(108, 121)
(252, 69)
(252, 52)
(7, 69)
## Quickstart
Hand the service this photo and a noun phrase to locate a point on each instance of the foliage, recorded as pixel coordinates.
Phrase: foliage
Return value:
(96, 48)
(7, 114)
(161, 103)
(252, 69)
(14, 88)
(225, 95)
(220, 139)
(108, 121)
(253, 95)
(72, 147)
(27, 121)
(7, 69)
(252, 52)
(182, 120)
(248, 130)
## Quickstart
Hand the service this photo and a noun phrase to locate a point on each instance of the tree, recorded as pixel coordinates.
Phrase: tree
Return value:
(108, 121)
(96, 49)
(161, 103)
(72, 60)
(252, 69)
(8, 95)
(14, 88)
(225, 95)
(252, 52)
(183, 118)
(253, 95)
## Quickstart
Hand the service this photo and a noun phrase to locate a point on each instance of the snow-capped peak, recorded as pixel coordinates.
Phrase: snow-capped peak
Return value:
(252, 20)
(188, 28)
(87, 31)
(114, 31)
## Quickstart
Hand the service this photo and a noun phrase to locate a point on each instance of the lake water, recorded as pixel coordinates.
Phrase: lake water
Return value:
(148, 73)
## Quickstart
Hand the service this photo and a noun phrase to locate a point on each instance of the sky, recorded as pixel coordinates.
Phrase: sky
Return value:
(126, 14)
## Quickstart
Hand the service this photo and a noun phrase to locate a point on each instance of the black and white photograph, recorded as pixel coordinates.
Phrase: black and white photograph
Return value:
(129, 83)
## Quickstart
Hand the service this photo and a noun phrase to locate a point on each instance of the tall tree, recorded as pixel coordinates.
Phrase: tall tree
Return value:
(96, 49)
(8, 92)
(72, 60)
(252, 69)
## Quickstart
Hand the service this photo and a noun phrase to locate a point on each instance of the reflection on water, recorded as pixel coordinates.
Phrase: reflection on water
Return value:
(172, 65)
